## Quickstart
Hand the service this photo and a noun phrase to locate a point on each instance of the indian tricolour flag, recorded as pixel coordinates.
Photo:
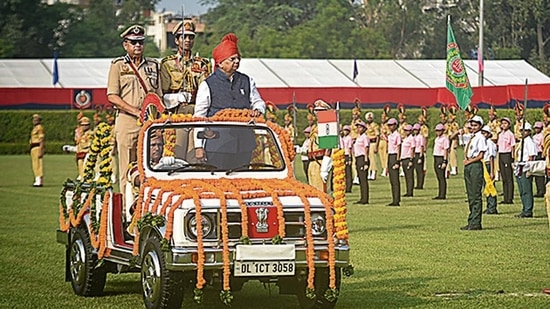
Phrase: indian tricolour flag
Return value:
(327, 129)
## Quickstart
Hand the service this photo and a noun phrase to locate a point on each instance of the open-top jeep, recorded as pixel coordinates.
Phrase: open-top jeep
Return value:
(191, 223)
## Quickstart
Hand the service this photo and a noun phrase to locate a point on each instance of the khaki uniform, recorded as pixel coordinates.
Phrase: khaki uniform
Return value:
(123, 82)
(183, 74)
(517, 130)
(290, 130)
(83, 144)
(354, 133)
(36, 144)
(315, 156)
(401, 129)
(451, 128)
(373, 132)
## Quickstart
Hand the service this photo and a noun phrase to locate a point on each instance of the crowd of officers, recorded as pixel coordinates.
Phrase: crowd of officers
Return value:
(494, 150)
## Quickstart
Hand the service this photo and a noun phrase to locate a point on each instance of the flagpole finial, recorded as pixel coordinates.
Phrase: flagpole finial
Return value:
(449, 18)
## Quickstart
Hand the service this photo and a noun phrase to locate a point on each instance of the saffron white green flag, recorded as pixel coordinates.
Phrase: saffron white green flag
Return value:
(327, 129)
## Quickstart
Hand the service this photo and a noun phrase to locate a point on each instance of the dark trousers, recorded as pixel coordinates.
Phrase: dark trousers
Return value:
(473, 178)
(394, 179)
(419, 170)
(305, 166)
(409, 175)
(507, 176)
(362, 167)
(440, 174)
(349, 173)
(525, 188)
(540, 181)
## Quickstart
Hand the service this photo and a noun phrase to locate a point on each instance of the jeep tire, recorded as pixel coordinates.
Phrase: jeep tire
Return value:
(86, 279)
(161, 288)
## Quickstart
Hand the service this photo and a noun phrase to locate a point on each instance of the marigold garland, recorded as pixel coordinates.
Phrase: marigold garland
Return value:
(340, 208)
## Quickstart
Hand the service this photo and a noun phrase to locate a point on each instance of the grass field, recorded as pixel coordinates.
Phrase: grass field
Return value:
(413, 256)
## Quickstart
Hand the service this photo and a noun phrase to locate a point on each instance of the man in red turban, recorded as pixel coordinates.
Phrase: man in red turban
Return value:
(226, 88)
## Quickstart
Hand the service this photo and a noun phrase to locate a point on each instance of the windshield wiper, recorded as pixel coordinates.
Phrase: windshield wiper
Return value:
(246, 167)
(204, 166)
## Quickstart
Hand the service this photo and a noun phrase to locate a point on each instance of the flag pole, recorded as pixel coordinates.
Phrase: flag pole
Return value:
(523, 120)
(480, 47)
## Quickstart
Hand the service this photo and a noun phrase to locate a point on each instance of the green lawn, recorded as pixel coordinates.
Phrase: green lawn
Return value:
(413, 256)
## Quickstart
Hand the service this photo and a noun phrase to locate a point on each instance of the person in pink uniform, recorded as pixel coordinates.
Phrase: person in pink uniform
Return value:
(419, 151)
(346, 143)
(362, 163)
(505, 145)
(394, 153)
(407, 157)
(441, 155)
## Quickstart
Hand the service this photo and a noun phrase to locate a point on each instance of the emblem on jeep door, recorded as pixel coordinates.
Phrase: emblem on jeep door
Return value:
(261, 214)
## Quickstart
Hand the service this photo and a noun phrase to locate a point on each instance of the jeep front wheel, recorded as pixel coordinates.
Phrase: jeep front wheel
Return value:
(161, 288)
(86, 279)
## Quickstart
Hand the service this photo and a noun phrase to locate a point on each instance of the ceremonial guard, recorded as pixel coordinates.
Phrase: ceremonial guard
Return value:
(83, 145)
(546, 118)
(130, 79)
(355, 118)
(270, 111)
(182, 72)
(394, 153)
(441, 154)
(180, 76)
(519, 109)
(289, 124)
(373, 133)
(311, 119)
(361, 153)
(383, 140)
(36, 145)
(494, 125)
(452, 131)
(505, 146)
(303, 151)
(422, 118)
(346, 143)
(525, 151)
(473, 173)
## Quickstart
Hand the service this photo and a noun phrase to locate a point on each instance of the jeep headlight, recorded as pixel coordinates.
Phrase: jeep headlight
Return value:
(318, 224)
(207, 226)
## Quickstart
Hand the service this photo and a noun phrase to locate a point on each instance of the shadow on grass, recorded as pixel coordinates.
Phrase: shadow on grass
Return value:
(122, 287)
(385, 228)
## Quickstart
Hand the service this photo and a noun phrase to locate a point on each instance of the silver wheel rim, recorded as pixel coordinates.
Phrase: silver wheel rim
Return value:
(150, 277)
(77, 261)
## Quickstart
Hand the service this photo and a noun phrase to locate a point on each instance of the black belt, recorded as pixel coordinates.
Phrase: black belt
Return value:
(373, 140)
(34, 145)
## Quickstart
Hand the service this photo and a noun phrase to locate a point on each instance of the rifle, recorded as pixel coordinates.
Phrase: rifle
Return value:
(523, 127)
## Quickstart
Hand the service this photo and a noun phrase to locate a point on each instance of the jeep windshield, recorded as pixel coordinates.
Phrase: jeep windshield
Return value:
(212, 148)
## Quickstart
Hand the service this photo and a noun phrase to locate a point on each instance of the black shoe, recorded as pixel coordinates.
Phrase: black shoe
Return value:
(393, 204)
(361, 203)
(538, 195)
(507, 202)
(471, 228)
(492, 212)
(522, 215)
(439, 198)
(407, 195)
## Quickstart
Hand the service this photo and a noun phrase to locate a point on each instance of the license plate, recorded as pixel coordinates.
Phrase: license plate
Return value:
(264, 268)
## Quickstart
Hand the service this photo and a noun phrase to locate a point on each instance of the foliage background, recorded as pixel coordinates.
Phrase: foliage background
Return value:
(321, 29)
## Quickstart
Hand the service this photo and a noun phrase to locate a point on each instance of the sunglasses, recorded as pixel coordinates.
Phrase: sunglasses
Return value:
(233, 59)
(135, 42)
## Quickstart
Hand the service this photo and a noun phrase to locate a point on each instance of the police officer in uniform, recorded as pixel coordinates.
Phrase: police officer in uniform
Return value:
(180, 76)
(473, 173)
(373, 133)
(452, 130)
(131, 77)
(83, 144)
(36, 145)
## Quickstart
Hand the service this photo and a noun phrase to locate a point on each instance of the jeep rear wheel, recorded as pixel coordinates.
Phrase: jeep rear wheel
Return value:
(86, 279)
(321, 286)
(161, 288)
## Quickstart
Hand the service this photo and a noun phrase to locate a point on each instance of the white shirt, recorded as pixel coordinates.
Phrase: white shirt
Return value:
(491, 151)
(304, 148)
(203, 100)
(529, 149)
(476, 144)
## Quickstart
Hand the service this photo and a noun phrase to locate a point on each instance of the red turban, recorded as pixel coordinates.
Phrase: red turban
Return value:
(227, 48)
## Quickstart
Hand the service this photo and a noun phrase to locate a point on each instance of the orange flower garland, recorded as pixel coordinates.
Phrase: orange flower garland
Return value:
(169, 142)
(340, 208)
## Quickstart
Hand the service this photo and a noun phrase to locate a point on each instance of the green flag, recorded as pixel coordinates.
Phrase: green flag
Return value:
(457, 79)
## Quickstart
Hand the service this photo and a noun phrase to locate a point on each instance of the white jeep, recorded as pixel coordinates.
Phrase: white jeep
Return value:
(239, 215)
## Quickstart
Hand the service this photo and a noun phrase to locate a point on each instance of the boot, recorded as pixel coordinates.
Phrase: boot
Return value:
(373, 177)
(369, 177)
(356, 180)
(384, 172)
(453, 170)
(37, 182)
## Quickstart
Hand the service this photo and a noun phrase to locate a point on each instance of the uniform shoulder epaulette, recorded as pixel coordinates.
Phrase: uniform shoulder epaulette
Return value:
(117, 59)
(170, 57)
